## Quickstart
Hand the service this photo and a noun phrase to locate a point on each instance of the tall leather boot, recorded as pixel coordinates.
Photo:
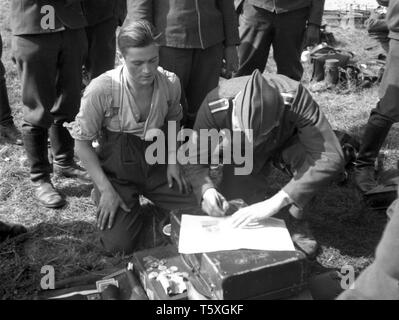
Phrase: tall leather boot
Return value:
(35, 142)
(373, 138)
(62, 145)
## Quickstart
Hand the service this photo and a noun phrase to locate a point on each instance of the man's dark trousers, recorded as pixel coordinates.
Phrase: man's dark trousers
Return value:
(50, 67)
(259, 29)
(101, 47)
(5, 110)
(198, 71)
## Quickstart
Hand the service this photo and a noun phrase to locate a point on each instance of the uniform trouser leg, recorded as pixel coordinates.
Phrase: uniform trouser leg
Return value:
(388, 105)
(126, 228)
(36, 60)
(386, 112)
(101, 47)
(68, 95)
(5, 110)
(256, 34)
(287, 42)
(205, 73)
(49, 66)
(132, 230)
(123, 161)
(178, 61)
(198, 71)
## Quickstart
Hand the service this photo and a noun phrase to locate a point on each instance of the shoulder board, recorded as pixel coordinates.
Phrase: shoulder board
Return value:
(288, 98)
(219, 105)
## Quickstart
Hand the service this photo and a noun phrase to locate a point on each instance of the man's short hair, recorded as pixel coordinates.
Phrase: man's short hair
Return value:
(137, 34)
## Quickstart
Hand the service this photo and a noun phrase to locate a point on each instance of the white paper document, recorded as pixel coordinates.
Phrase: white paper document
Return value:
(208, 234)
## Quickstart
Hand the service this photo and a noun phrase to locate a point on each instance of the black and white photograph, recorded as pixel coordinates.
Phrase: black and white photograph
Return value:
(198, 155)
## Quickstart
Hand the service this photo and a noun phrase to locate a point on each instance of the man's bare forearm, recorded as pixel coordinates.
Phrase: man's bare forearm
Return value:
(91, 163)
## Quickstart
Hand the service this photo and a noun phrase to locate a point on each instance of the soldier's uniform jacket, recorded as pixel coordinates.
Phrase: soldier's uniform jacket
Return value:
(293, 117)
(190, 23)
(316, 7)
(26, 16)
(97, 11)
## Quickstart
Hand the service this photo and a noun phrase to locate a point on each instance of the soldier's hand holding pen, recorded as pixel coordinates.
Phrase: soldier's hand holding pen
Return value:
(213, 203)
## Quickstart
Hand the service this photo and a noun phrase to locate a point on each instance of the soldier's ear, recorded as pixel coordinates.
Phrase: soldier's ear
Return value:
(119, 58)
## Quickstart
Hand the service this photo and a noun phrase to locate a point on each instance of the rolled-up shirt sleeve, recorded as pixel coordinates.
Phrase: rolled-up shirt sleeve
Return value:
(94, 107)
(175, 110)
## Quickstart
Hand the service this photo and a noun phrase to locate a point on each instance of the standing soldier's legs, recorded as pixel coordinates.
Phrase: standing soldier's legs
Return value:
(256, 34)
(7, 127)
(204, 77)
(287, 42)
(36, 58)
(178, 61)
(67, 104)
(381, 119)
(101, 47)
(198, 71)
(50, 69)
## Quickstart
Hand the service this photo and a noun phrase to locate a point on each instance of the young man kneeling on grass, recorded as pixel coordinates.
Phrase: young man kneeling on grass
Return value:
(120, 108)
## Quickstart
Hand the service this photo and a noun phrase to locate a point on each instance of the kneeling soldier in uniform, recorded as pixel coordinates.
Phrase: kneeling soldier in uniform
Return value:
(288, 130)
(120, 108)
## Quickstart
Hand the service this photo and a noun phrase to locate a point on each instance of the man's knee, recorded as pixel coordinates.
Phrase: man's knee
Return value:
(123, 237)
(117, 243)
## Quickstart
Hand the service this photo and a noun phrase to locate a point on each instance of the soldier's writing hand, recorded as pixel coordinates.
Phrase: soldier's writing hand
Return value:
(261, 210)
(110, 201)
(213, 203)
(254, 213)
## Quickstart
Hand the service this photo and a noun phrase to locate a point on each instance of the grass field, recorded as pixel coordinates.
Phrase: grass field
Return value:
(346, 228)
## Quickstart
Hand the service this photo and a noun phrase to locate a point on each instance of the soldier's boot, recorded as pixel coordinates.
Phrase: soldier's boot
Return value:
(62, 145)
(373, 138)
(35, 142)
(301, 234)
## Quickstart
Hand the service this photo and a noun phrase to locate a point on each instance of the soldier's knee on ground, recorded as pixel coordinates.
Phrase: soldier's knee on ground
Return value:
(117, 244)
(123, 237)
